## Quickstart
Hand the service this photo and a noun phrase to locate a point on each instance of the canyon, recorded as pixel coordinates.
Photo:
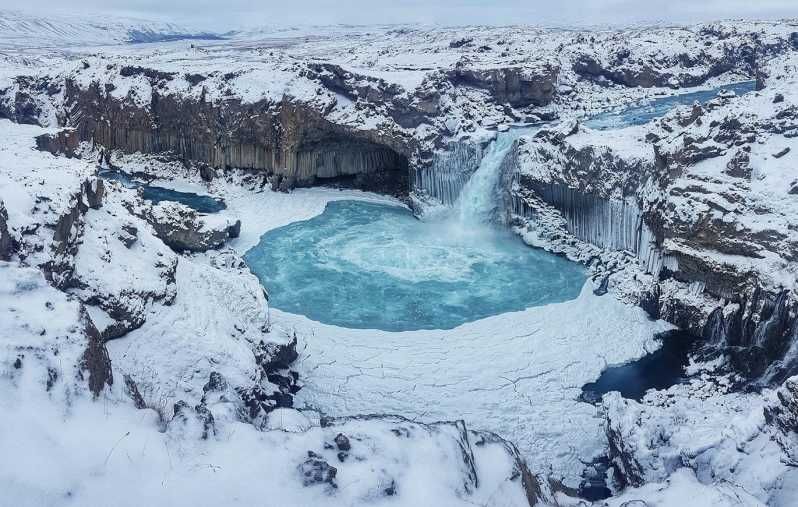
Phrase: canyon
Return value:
(679, 209)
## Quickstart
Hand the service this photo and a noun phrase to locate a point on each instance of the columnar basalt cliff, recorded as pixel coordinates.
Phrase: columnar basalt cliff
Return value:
(285, 138)
(700, 200)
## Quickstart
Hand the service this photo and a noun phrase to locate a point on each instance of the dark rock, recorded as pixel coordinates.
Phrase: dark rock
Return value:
(315, 470)
(52, 378)
(95, 360)
(132, 390)
(461, 42)
(778, 98)
(216, 382)
(93, 191)
(289, 138)
(603, 286)
(195, 79)
(18, 363)
(182, 229)
(206, 172)
(782, 414)
(511, 85)
(206, 418)
(64, 142)
(739, 165)
(128, 235)
(273, 357)
(152, 74)
(6, 241)
(234, 230)
(695, 113)
(342, 442)
(760, 81)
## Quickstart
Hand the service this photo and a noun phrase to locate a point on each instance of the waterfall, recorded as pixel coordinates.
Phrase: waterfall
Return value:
(447, 175)
(479, 198)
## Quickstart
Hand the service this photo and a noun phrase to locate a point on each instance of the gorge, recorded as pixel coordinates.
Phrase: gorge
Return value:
(311, 250)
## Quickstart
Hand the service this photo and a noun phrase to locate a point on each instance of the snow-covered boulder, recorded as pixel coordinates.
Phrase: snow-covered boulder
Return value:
(183, 229)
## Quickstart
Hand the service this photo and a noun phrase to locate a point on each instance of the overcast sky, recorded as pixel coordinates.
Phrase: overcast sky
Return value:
(226, 14)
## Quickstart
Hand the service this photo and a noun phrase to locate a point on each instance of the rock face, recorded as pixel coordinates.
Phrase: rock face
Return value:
(286, 138)
(182, 229)
(625, 64)
(518, 87)
(64, 142)
(783, 415)
(698, 199)
(350, 446)
(95, 360)
(6, 242)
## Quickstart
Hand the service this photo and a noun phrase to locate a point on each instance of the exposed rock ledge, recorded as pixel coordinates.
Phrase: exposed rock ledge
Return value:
(182, 229)
(700, 199)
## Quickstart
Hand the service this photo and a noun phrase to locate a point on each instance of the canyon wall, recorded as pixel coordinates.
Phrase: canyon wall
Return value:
(285, 138)
(714, 244)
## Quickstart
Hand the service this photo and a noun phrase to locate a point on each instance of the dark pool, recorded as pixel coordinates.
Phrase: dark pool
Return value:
(661, 369)
(156, 194)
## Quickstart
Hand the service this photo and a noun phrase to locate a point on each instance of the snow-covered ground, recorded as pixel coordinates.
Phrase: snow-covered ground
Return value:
(189, 416)
(529, 395)
(167, 429)
(518, 374)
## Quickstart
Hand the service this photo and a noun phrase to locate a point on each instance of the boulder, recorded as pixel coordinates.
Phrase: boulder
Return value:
(183, 229)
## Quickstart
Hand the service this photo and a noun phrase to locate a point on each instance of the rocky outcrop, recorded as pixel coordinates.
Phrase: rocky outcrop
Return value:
(95, 361)
(6, 241)
(468, 445)
(677, 196)
(68, 229)
(516, 86)
(64, 142)
(286, 138)
(182, 229)
(274, 361)
(782, 414)
(22, 101)
(626, 65)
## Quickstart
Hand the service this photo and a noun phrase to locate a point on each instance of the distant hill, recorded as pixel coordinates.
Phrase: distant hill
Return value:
(18, 29)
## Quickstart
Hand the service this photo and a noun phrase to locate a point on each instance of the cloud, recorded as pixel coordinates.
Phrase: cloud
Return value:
(225, 14)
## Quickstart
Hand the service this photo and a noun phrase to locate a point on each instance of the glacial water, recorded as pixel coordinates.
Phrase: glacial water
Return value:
(656, 108)
(156, 194)
(375, 266)
(372, 266)
(658, 370)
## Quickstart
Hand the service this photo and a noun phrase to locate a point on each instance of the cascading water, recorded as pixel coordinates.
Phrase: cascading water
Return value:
(365, 265)
(479, 200)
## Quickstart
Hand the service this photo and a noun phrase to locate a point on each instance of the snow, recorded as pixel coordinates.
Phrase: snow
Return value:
(518, 374)
(720, 435)
(98, 451)
(683, 488)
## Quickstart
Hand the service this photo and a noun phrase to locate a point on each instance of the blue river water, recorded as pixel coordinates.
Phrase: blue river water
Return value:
(156, 194)
(641, 114)
(374, 266)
